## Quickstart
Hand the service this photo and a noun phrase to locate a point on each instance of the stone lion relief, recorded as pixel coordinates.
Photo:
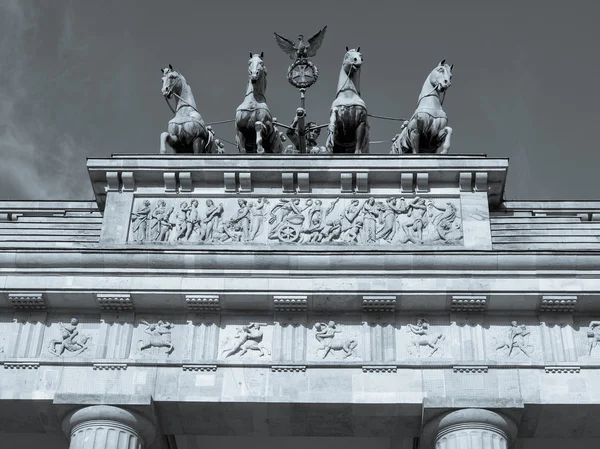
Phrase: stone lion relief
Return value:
(302, 221)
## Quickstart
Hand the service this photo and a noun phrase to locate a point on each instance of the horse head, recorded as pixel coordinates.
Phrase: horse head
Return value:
(352, 60)
(256, 67)
(441, 76)
(172, 82)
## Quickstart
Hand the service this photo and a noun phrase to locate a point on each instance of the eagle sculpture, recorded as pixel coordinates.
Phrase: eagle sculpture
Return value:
(301, 50)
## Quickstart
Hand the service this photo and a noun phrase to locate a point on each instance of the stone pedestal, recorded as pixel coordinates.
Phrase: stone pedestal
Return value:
(107, 427)
(470, 429)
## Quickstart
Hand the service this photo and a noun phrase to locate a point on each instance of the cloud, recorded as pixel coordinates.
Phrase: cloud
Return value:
(36, 157)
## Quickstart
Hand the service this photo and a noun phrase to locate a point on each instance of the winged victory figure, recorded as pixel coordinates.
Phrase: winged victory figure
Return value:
(301, 50)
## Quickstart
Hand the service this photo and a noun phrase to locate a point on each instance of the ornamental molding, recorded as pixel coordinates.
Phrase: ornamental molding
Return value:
(203, 302)
(21, 365)
(379, 303)
(562, 369)
(27, 301)
(283, 303)
(202, 368)
(288, 368)
(387, 369)
(558, 304)
(114, 301)
(109, 366)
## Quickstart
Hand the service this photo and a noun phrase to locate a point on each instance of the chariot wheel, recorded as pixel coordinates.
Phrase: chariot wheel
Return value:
(288, 234)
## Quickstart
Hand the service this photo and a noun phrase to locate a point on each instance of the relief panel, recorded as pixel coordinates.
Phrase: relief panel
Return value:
(159, 337)
(424, 338)
(516, 340)
(71, 336)
(246, 339)
(335, 339)
(392, 221)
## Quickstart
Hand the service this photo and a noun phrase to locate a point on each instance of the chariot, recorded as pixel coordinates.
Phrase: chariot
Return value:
(289, 229)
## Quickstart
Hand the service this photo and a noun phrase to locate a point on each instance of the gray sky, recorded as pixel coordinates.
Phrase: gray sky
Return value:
(81, 79)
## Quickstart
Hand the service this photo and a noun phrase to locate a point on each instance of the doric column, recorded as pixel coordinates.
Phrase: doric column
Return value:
(469, 428)
(107, 427)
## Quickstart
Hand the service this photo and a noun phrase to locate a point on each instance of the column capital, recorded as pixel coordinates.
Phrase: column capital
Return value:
(468, 420)
(109, 416)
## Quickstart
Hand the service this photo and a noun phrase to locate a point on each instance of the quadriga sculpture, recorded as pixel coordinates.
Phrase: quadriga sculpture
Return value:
(427, 130)
(348, 127)
(255, 129)
(186, 132)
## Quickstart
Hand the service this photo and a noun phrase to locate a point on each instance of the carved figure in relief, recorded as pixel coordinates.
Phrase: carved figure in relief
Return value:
(140, 221)
(319, 229)
(159, 336)
(156, 218)
(71, 341)
(352, 235)
(516, 340)
(444, 221)
(242, 219)
(249, 338)
(420, 336)
(166, 225)
(427, 130)
(286, 220)
(211, 221)
(326, 333)
(389, 211)
(257, 215)
(192, 219)
(181, 220)
(593, 335)
(413, 229)
(370, 211)
(350, 214)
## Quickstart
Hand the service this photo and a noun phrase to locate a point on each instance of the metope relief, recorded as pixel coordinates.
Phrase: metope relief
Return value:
(157, 335)
(423, 342)
(71, 341)
(331, 341)
(246, 342)
(301, 221)
(517, 341)
(593, 337)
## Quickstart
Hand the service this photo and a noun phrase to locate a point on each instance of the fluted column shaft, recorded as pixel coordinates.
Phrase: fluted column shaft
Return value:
(470, 429)
(107, 427)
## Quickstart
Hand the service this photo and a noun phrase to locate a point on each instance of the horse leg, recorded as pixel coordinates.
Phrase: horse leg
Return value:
(331, 128)
(166, 138)
(258, 127)
(414, 137)
(199, 145)
(362, 138)
(445, 146)
(241, 141)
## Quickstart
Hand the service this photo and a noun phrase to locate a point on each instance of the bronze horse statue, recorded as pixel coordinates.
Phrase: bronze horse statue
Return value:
(255, 128)
(348, 126)
(186, 132)
(427, 131)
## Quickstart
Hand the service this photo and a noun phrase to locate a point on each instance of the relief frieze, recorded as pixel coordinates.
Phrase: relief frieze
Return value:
(396, 221)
